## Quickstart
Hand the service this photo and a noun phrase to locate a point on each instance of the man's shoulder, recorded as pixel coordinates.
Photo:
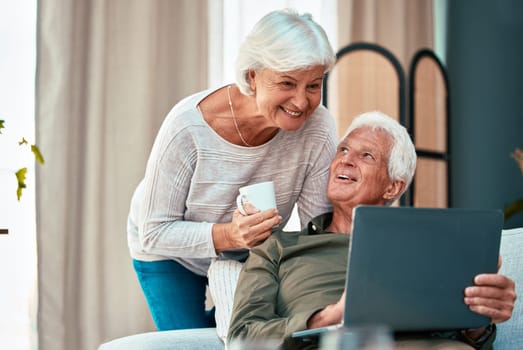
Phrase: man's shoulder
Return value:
(281, 237)
(278, 241)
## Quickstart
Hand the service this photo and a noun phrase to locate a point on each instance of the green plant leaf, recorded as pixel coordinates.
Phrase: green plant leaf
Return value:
(21, 173)
(38, 156)
(513, 208)
(20, 177)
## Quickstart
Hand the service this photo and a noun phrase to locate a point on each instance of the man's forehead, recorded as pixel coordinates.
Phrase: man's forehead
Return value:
(375, 133)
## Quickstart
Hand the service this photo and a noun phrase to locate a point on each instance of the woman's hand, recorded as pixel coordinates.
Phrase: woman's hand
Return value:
(245, 231)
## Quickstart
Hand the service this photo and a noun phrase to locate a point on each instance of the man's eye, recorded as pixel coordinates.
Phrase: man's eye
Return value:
(314, 87)
(368, 155)
(344, 150)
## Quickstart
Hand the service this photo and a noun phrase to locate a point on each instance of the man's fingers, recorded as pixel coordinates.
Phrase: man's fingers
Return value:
(497, 312)
(493, 296)
(493, 279)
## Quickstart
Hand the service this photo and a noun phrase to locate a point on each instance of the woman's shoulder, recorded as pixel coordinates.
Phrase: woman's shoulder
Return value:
(185, 113)
(321, 119)
(188, 106)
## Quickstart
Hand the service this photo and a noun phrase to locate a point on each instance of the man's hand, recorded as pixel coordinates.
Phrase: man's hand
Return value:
(493, 295)
(331, 315)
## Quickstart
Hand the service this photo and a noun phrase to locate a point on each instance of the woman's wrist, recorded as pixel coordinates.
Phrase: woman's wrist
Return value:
(220, 238)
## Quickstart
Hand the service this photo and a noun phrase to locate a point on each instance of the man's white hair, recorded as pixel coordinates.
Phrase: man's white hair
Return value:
(402, 157)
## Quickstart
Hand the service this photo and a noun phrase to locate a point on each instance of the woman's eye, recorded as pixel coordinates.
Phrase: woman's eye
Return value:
(286, 84)
(368, 155)
(314, 86)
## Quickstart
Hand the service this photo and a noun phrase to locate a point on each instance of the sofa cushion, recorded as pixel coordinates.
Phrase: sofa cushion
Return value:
(194, 339)
(510, 333)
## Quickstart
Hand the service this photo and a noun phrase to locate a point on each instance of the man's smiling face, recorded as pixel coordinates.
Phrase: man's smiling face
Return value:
(358, 172)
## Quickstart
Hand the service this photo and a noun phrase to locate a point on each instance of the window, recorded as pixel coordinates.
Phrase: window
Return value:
(18, 247)
(227, 31)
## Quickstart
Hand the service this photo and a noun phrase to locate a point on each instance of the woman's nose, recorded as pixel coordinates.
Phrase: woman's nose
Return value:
(300, 99)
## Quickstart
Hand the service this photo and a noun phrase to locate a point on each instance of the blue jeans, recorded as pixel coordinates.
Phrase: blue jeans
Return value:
(175, 295)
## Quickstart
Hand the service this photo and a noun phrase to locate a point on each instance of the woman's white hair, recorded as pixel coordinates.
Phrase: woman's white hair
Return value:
(283, 41)
(402, 157)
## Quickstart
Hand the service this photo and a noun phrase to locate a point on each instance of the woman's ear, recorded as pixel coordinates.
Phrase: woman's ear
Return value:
(394, 189)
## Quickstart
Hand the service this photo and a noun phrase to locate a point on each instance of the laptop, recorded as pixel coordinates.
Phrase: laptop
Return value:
(408, 267)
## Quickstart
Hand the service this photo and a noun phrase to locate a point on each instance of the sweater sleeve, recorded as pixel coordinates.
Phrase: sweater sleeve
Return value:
(162, 227)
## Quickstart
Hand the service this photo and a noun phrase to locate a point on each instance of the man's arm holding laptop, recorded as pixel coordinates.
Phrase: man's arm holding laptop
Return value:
(330, 315)
(493, 296)
(258, 311)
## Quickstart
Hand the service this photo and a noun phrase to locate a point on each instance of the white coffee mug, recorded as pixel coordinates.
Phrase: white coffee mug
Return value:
(260, 195)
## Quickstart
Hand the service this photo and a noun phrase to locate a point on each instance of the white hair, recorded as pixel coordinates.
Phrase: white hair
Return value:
(283, 41)
(402, 157)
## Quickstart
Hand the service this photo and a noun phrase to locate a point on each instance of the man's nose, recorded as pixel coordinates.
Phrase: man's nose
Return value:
(348, 158)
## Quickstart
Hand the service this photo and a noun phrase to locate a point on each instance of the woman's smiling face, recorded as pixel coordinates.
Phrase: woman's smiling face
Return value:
(287, 99)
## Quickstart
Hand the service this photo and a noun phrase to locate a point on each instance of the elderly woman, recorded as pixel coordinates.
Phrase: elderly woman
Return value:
(268, 126)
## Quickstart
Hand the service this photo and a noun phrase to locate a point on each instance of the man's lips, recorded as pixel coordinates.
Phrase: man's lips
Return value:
(346, 177)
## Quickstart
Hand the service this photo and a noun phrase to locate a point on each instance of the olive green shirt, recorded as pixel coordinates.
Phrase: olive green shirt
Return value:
(295, 274)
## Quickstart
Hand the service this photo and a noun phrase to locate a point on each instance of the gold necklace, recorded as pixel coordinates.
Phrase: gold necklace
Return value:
(234, 118)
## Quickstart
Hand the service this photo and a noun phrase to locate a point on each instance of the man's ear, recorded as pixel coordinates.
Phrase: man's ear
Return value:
(394, 189)
(250, 76)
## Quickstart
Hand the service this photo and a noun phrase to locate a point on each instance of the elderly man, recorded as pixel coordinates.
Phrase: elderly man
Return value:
(293, 281)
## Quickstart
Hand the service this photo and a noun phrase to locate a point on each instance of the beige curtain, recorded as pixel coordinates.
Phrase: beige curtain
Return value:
(401, 26)
(365, 80)
(107, 73)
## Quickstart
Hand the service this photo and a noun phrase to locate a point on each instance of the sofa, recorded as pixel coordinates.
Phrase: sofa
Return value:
(509, 334)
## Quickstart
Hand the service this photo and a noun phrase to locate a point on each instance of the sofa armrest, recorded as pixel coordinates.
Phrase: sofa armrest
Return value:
(510, 333)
